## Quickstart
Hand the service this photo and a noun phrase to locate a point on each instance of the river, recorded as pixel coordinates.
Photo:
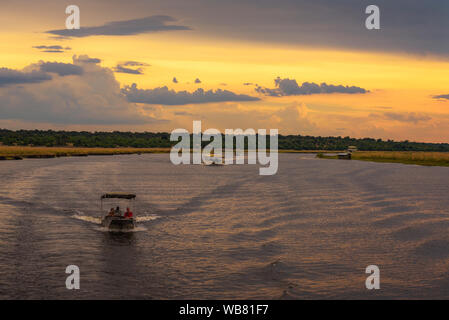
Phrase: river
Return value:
(224, 232)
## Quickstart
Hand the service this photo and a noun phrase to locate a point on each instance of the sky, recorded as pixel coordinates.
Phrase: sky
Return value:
(302, 67)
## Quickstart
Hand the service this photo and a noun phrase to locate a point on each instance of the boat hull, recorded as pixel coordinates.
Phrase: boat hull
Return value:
(118, 223)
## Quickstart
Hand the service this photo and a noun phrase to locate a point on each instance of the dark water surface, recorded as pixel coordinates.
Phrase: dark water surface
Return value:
(225, 232)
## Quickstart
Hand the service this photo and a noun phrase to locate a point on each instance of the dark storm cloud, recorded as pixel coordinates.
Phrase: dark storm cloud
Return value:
(289, 87)
(442, 96)
(123, 28)
(10, 76)
(165, 96)
(411, 26)
(62, 69)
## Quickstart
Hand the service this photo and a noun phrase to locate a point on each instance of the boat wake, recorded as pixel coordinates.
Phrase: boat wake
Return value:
(136, 229)
(97, 220)
(146, 218)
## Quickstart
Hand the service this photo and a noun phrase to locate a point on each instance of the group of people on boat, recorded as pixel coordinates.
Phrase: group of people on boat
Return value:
(118, 213)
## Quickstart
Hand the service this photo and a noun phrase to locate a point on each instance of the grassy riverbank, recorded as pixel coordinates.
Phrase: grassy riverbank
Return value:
(405, 157)
(307, 151)
(17, 153)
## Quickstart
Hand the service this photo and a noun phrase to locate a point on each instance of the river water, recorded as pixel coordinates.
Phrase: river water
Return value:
(210, 232)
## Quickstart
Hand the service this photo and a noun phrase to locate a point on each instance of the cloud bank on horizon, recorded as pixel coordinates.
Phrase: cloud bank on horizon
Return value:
(289, 87)
(165, 96)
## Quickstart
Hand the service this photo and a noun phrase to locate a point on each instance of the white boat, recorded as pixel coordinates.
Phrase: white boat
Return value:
(213, 161)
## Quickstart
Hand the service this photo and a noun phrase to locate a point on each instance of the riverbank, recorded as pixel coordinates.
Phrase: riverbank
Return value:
(18, 153)
(405, 157)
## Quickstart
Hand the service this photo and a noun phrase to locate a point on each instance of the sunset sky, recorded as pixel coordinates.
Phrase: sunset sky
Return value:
(232, 64)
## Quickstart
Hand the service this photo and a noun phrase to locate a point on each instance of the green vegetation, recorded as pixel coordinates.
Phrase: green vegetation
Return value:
(116, 139)
(49, 144)
(405, 157)
(84, 139)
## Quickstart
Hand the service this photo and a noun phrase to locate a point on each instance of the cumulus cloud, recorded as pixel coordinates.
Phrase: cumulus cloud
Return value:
(442, 96)
(10, 76)
(52, 49)
(410, 117)
(62, 69)
(123, 28)
(289, 87)
(85, 59)
(165, 96)
(93, 98)
(39, 72)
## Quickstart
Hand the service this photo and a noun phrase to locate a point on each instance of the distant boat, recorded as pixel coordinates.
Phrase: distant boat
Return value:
(344, 156)
(214, 161)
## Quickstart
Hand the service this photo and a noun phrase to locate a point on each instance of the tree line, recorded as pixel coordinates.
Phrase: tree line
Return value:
(50, 138)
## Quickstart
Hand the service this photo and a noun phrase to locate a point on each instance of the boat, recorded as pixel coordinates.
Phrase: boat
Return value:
(344, 156)
(118, 222)
(213, 161)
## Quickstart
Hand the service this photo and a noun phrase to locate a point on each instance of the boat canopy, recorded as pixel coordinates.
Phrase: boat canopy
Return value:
(117, 195)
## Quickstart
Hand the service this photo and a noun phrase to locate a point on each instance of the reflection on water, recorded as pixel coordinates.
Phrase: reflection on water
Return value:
(226, 232)
(119, 238)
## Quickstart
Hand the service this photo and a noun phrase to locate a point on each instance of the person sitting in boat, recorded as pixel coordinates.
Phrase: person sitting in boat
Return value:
(112, 212)
(118, 212)
(128, 213)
